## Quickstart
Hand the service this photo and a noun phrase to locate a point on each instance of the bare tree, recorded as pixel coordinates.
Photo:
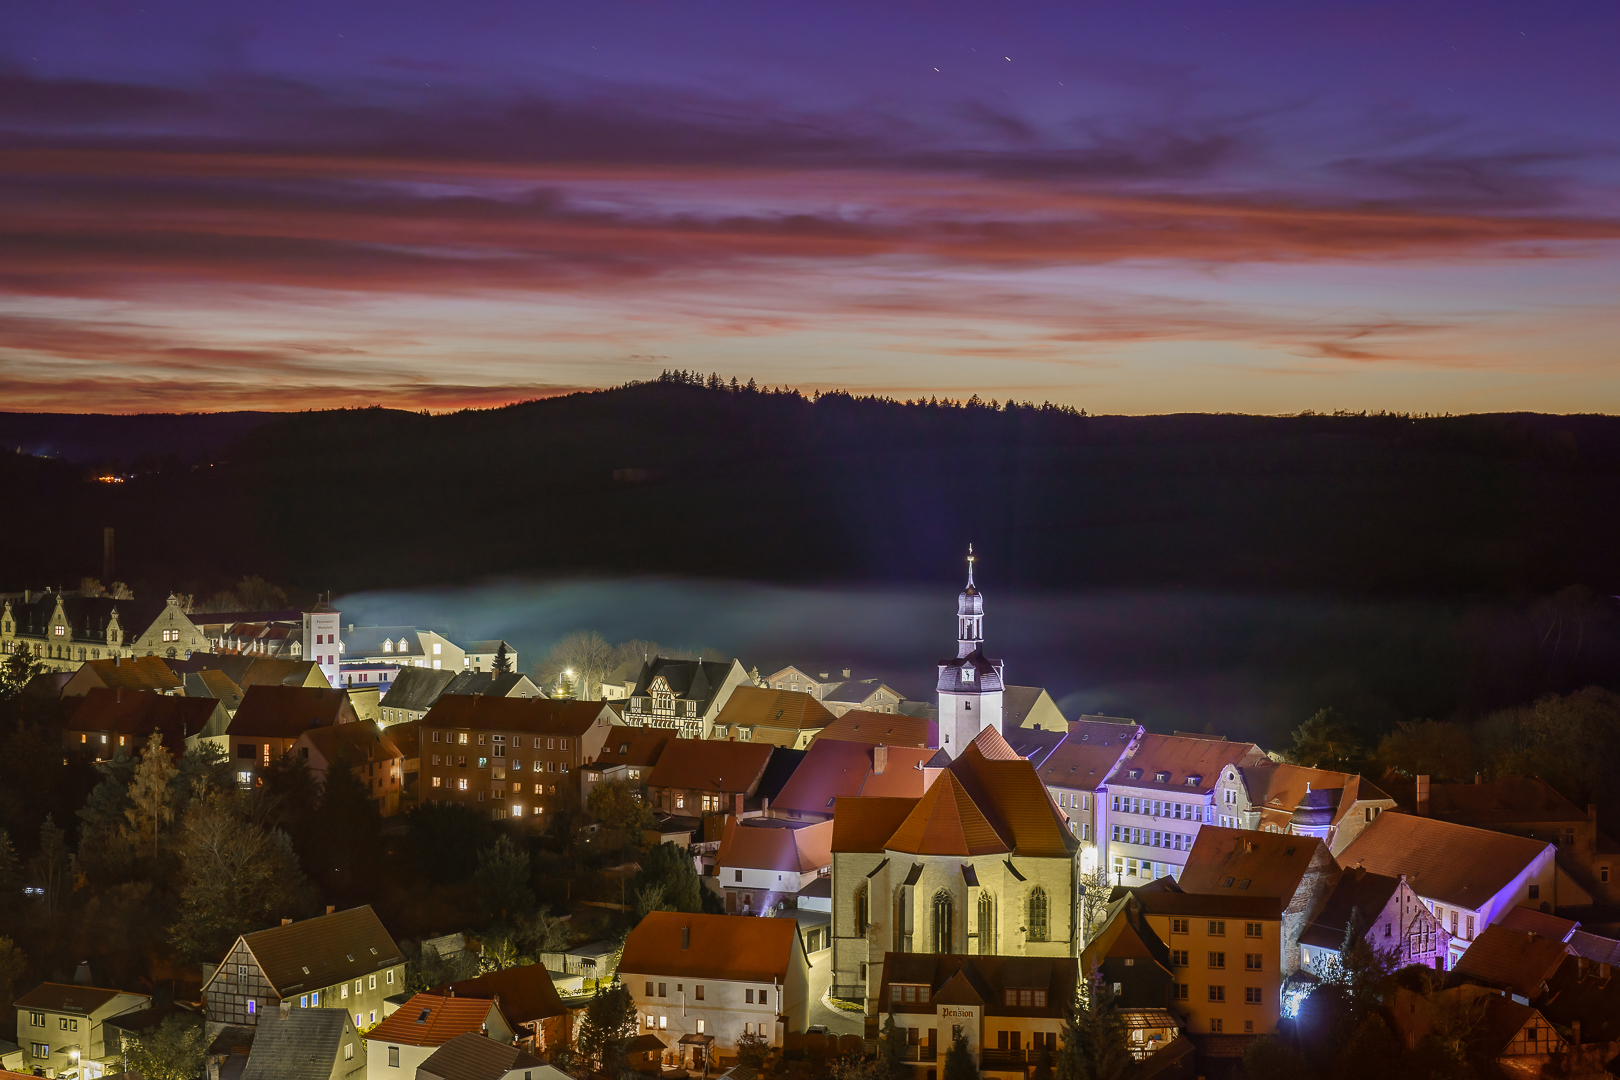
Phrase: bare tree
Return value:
(587, 655)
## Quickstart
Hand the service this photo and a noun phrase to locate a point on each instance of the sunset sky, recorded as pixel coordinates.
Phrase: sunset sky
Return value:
(1136, 208)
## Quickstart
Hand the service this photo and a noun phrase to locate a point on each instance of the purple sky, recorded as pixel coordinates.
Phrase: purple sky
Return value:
(1131, 208)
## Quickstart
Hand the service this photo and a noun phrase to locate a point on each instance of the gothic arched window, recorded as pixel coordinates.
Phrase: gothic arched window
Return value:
(987, 924)
(1037, 915)
(944, 909)
(862, 912)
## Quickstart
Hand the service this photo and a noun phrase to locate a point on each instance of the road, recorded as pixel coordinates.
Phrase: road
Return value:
(836, 1021)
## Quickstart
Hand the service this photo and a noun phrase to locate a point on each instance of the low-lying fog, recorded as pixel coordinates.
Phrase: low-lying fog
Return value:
(1245, 666)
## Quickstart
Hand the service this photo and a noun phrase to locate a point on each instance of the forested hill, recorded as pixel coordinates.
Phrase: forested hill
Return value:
(677, 478)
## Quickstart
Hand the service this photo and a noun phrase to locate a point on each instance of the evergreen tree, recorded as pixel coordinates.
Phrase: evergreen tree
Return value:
(13, 962)
(502, 881)
(150, 811)
(52, 868)
(892, 1055)
(502, 663)
(610, 1023)
(1093, 1042)
(959, 1063)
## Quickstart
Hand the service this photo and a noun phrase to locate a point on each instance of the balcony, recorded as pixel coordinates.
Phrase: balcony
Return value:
(1006, 1060)
(920, 1052)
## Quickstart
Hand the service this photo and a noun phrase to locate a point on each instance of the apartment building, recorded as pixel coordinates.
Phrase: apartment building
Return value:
(1224, 956)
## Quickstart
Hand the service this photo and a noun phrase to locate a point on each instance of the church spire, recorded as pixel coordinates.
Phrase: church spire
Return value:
(969, 613)
(971, 561)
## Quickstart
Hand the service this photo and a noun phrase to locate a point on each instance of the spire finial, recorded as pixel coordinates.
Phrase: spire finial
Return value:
(971, 560)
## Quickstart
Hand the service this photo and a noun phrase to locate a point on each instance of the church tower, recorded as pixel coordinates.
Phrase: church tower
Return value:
(970, 685)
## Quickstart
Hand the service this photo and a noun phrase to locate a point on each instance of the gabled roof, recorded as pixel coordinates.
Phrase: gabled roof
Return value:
(1454, 864)
(491, 645)
(492, 684)
(139, 713)
(1358, 891)
(1209, 905)
(1011, 795)
(690, 680)
(1087, 754)
(248, 670)
(214, 684)
(956, 979)
(710, 765)
(286, 712)
(1278, 788)
(1017, 702)
(834, 769)
(635, 747)
(945, 821)
(855, 691)
(332, 948)
(433, 1020)
(131, 673)
(543, 716)
(866, 824)
(1239, 861)
(362, 742)
(738, 947)
(527, 993)
(1182, 758)
(873, 728)
(368, 641)
(416, 689)
(1511, 959)
(474, 1057)
(302, 1044)
(792, 850)
(753, 706)
(70, 998)
(1531, 921)
(1507, 800)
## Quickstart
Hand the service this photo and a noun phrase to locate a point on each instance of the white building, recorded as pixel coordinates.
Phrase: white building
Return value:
(704, 981)
(970, 690)
(1468, 878)
(410, 1034)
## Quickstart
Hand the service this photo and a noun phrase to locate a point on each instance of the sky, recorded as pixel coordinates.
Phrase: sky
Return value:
(1129, 208)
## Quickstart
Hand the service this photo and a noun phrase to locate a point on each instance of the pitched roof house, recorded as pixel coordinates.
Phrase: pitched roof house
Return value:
(1010, 1008)
(270, 720)
(528, 1000)
(1468, 877)
(703, 776)
(413, 693)
(373, 756)
(1298, 870)
(342, 960)
(761, 864)
(1393, 917)
(880, 729)
(684, 696)
(57, 1020)
(1331, 806)
(736, 976)
(132, 673)
(306, 1044)
(101, 722)
(779, 717)
(425, 1022)
(1030, 707)
(1076, 769)
(65, 630)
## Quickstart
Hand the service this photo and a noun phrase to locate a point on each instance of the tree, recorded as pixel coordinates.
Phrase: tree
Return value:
(623, 814)
(347, 858)
(105, 849)
(671, 868)
(1043, 1065)
(609, 1023)
(1325, 741)
(752, 1050)
(16, 670)
(52, 868)
(1270, 1058)
(201, 770)
(1430, 748)
(13, 962)
(501, 953)
(150, 810)
(1093, 1045)
(543, 934)
(502, 662)
(173, 1050)
(502, 881)
(237, 876)
(959, 1063)
(1095, 888)
(257, 594)
(584, 652)
(892, 1051)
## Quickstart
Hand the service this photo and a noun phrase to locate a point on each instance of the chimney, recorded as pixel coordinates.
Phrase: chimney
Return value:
(846, 673)
(107, 556)
(737, 801)
(1478, 780)
(286, 922)
(286, 1006)
(118, 694)
(880, 759)
(331, 908)
(824, 675)
(686, 937)
(1423, 796)
(1575, 1032)
(81, 974)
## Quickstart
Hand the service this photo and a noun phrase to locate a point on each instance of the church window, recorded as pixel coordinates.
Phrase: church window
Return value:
(944, 910)
(1037, 915)
(987, 925)
(967, 706)
(861, 911)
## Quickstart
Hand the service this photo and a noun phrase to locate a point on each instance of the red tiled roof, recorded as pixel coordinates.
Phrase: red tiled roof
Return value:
(994, 748)
(1182, 757)
(945, 821)
(1514, 959)
(139, 713)
(544, 716)
(796, 851)
(69, 998)
(638, 747)
(875, 728)
(710, 765)
(1454, 864)
(1087, 755)
(834, 769)
(132, 673)
(756, 706)
(737, 947)
(431, 1020)
(1257, 863)
(274, 711)
(363, 741)
(1012, 796)
(527, 993)
(866, 824)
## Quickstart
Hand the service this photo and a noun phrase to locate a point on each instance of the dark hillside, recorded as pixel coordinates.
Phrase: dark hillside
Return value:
(681, 479)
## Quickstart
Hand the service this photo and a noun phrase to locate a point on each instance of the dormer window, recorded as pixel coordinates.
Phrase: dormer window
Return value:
(388, 646)
(1193, 781)
(1134, 774)
(401, 644)
(1162, 777)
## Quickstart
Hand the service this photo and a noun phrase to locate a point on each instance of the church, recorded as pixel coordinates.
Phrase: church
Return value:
(983, 863)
